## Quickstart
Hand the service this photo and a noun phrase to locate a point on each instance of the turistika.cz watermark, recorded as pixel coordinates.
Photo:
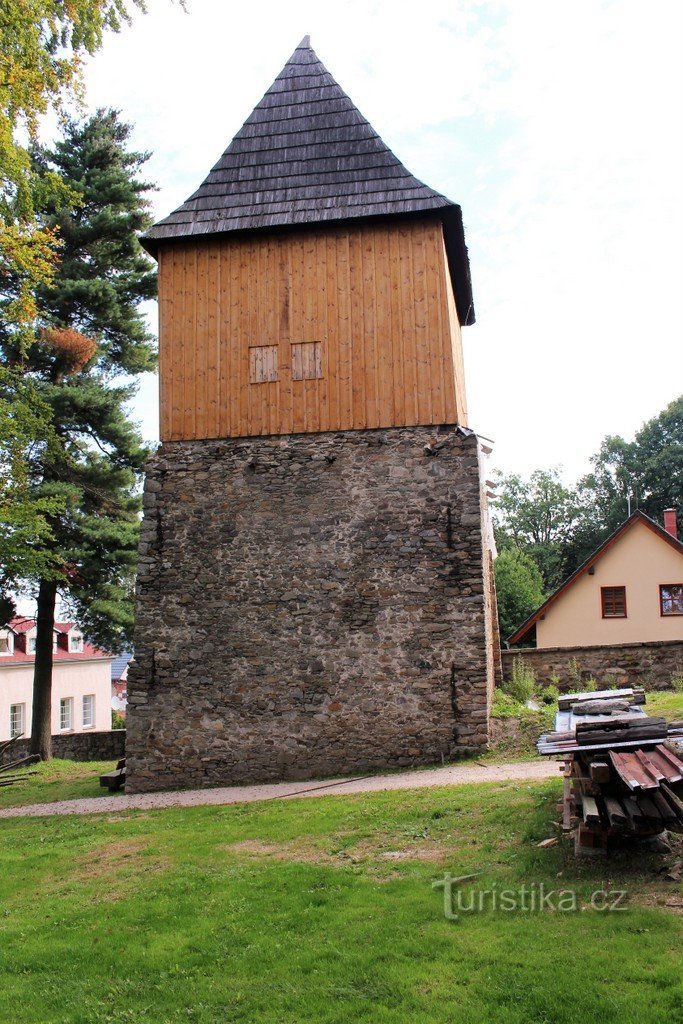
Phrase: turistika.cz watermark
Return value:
(532, 898)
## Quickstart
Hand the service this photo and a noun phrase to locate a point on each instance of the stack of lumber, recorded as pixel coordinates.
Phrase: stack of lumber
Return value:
(8, 770)
(622, 773)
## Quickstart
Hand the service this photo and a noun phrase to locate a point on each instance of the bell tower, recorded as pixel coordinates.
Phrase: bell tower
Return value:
(314, 592)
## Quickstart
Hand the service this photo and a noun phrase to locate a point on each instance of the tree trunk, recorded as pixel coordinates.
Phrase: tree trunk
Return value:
(41, 730)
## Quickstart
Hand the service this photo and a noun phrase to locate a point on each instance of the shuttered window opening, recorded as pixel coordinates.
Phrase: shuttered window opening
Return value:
(613, 602)
(671, 599)
(307, 361)
(262, 364)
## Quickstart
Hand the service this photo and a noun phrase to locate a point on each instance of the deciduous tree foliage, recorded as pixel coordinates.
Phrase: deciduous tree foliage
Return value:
(537, 516)
(519, 588)
(41, 45)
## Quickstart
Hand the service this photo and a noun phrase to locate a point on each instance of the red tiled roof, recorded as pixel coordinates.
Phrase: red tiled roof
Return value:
(22, 624)
(87, 654)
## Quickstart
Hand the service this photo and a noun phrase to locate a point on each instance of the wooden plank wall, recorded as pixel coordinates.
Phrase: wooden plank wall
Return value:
(377, 297)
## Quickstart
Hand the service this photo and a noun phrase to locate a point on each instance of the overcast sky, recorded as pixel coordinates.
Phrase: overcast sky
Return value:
(557, 127)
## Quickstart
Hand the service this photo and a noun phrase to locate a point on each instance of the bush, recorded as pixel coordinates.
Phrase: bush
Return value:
(523, 682)
(117, 720)
(549, 694)
(677, 679)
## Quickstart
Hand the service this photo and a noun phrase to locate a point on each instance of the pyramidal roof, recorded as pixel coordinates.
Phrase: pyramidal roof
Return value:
(304, 156)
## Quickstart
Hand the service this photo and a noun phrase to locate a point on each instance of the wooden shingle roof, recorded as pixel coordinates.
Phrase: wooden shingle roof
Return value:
(305, 156)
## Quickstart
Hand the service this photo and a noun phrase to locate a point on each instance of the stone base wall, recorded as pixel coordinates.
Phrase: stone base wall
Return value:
(309, 605)
(647, 664)
(80, 746)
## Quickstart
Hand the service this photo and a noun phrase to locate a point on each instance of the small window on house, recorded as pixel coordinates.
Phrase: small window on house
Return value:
(671, 599)
(5, 645)
(17, 719)
(75, 642)
(31, 645)
(307, 361)
(262, 364)
(89, 711)
(66, 713)
(613, 602)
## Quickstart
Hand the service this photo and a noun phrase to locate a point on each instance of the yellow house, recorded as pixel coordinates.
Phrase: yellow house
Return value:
(629, 591)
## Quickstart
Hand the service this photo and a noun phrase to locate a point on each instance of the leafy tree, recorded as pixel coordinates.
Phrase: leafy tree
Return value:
(536, 516)
(519, 588)
(42, 42)
(91, 332)
(647, 470)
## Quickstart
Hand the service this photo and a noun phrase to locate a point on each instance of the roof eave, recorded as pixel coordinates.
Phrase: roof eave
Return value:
(454, 238)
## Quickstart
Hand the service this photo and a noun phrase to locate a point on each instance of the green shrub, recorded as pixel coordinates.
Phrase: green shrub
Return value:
(523, 682)
(677, 679)
(549, 694)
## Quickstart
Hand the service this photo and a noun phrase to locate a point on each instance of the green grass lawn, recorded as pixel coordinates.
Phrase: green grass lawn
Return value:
(57, 780)
(322, 910)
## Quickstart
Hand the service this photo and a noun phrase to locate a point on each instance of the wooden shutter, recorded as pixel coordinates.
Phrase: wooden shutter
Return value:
(307, 360)
(613, 602)
(262, 363)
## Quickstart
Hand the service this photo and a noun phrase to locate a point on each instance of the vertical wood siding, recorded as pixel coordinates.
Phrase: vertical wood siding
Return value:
(376, 298)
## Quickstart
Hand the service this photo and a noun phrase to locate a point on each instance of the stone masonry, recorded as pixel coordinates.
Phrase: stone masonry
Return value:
(309, 605)
(655, 664)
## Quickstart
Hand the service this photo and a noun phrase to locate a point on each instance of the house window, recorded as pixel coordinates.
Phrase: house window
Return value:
(613, 602)
(17, 719)
(307, 361)
(262, 364)
(66, 713)
(89, 711)
(31, 645)
(5, 645)
(75, 642)
(671, 599)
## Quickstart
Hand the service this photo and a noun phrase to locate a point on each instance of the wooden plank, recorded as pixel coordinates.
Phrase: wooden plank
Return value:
(599, 771)
(435, 326)
(213, 353)
(591, 814)
(171, 331)
(359, 415)
(369, 321)
(407, 315)
(615, 813)
(385, 330)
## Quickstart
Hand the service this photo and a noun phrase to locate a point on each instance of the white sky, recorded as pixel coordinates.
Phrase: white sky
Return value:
(556, 126)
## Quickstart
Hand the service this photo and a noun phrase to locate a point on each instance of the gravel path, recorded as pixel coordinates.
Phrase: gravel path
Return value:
(453, 775)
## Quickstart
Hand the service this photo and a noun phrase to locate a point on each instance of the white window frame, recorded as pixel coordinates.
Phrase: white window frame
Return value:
(9, 640)
(66, 714)
(31, 644)
(17, 728)
(88, 701)
(75, 643)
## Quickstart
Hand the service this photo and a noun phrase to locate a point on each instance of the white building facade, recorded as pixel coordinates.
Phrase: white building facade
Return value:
(81, 681)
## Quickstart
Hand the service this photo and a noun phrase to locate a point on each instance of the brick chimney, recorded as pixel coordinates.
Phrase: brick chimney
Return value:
(670, 522)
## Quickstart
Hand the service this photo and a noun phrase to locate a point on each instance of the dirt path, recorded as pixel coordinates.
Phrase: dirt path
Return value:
(453, 775)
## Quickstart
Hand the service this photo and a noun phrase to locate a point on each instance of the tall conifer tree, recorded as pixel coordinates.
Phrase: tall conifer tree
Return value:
(93, 338)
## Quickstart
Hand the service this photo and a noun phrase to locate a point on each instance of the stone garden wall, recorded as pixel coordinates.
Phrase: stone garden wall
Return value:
(648, 664)
(81, 746)
(309, 605)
